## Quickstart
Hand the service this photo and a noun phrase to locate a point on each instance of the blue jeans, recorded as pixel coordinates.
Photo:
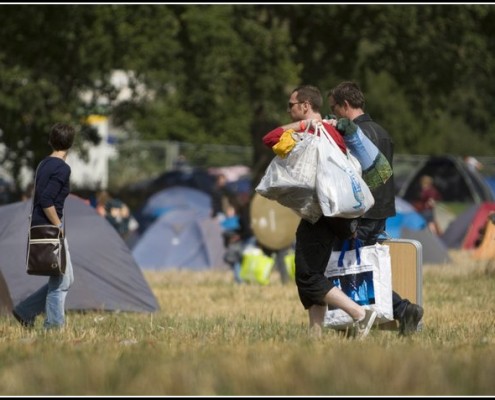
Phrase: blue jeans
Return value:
(50, 298)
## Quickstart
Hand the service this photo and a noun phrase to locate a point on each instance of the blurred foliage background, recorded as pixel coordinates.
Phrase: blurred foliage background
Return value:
(221, 74)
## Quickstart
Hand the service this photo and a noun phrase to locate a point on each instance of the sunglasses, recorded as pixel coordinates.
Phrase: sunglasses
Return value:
(290, 105)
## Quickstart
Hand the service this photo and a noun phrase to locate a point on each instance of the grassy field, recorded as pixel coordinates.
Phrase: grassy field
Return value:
(212, 337)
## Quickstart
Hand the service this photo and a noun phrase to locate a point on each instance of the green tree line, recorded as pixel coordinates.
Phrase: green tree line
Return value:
(222, 74)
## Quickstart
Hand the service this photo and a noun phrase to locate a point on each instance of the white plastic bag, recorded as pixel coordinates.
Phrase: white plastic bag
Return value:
(365, 275)
(291, 181)
(340, 188)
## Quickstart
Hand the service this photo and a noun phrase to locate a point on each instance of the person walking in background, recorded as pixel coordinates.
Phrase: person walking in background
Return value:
(116, 212)
(346, 100)
(428, 196)
(222, 198)
(238, 238)
(314, 242)
(473, 164)
(52, 186)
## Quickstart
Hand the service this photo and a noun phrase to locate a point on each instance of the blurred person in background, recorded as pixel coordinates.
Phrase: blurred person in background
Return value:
(428, 197)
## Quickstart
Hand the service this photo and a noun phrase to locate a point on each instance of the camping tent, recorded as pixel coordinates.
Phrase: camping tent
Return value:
(137, 193)
(454, 180)
(464, 231)
(177, 197)
(106, 277)
(409, 224)
(181, 238)
(172, 198)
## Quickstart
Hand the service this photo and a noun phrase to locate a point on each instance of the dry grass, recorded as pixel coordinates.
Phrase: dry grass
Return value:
(212, 337)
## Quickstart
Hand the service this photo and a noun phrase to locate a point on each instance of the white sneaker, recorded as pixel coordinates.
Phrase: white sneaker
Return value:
(362, 328)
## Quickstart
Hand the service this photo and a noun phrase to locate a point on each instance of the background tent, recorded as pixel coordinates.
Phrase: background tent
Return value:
(406, 216)
(177, 197)
(181, 238)
(453, 179)
(137, 193)
(106, 277)
(465, 230)
(409, 224)
(434, 251)
(166, 200)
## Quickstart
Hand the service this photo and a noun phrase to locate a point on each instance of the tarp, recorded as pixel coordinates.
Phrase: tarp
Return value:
(181, 238)
(106, 276)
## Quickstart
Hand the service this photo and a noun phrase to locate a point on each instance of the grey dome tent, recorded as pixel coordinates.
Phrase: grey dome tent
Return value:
(454, 180)
(106, 276)
(181, 239)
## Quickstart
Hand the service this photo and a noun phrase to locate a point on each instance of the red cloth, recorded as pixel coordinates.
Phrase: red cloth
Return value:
(425, 199)
(272, 137)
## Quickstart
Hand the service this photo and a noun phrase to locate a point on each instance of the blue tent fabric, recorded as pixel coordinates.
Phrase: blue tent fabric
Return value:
(409, 224)
(177, 197)
(172, 198)
(181, 239)
(406, 216)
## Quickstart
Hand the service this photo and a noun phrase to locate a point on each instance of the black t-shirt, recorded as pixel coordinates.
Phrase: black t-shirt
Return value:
(52, 188)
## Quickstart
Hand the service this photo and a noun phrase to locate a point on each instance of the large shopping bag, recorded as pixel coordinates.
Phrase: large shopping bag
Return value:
(291, 181)
(340, 188)
(256, 266)
(364, 274)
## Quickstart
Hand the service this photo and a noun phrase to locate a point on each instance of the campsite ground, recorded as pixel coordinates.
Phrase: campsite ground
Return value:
(213, 337)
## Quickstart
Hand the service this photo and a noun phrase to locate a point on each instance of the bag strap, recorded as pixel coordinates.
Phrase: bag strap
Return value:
(346, 246)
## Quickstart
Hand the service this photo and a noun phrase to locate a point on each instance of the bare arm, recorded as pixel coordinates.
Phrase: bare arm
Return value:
(52, 215)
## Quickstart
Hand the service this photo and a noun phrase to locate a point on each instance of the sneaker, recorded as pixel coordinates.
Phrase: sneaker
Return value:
(362, 328)
(24, 323)
(410, 320)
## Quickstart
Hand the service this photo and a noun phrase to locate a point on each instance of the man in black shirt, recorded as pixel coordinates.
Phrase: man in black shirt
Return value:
(346, 100)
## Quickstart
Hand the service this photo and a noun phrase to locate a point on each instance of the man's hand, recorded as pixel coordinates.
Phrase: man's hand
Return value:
(346, 127)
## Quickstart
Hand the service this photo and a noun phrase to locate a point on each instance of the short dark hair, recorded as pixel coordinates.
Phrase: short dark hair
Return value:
(348, 91)
(311, 94)
(61, 136)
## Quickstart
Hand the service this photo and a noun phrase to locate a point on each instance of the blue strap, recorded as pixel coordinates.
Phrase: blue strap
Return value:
(346, 246)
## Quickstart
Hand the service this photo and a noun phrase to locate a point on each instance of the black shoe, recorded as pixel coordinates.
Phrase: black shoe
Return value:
(24, 323)
(410, 319)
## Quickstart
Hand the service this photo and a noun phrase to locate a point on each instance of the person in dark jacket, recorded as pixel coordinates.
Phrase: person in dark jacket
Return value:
(52, 186)
(346, 100)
